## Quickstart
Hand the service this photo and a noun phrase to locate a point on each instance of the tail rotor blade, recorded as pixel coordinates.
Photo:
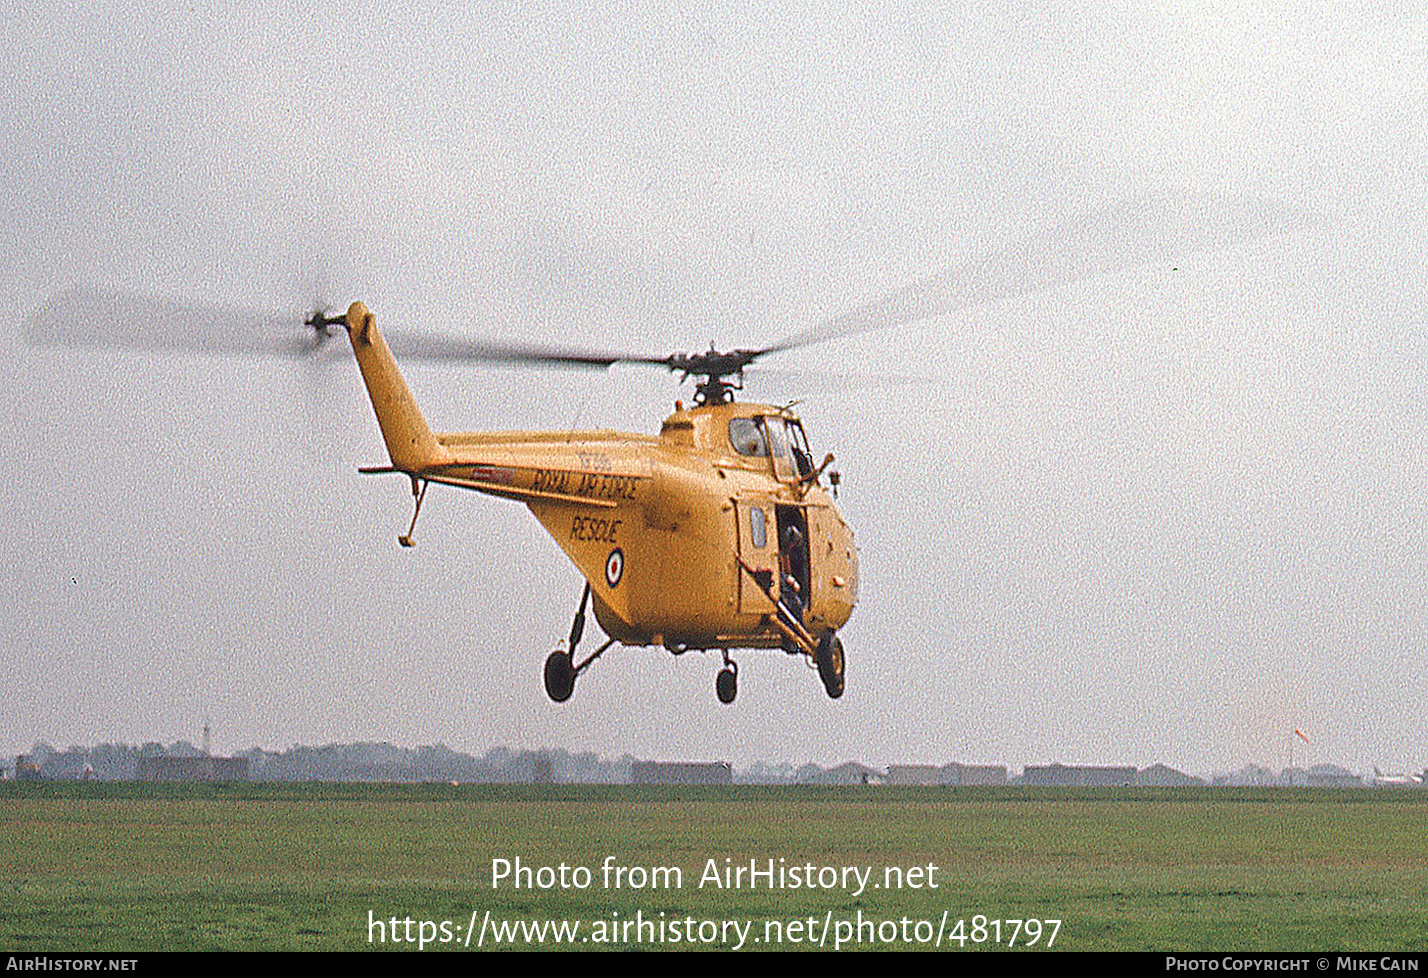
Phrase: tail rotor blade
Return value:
(88, 317)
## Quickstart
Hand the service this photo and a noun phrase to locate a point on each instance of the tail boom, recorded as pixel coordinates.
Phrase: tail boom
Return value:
(411, 444)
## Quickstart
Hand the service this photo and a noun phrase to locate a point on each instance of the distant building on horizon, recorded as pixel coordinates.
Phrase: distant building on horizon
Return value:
(1330, 776)
(947, 774)
(847, 773)
(1065, 775)
(192, 769)
(916, 774)
(69, 766)
(681, 772)
(1160, 776)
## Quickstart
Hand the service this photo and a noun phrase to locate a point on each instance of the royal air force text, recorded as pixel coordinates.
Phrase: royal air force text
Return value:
(589, 485)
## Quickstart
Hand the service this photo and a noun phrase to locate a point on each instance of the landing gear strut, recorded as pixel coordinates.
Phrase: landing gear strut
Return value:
(561, 670)
(418, 493)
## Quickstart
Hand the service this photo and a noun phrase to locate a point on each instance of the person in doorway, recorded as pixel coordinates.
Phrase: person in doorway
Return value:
(792, 571)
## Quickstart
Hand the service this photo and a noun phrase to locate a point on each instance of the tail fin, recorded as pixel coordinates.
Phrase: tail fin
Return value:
(410, 441)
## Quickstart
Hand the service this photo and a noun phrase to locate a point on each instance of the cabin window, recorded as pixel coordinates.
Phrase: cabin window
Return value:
(758, 529)
(747, 437)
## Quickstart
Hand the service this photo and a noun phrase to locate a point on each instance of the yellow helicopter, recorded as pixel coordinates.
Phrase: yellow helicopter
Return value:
(715, 534)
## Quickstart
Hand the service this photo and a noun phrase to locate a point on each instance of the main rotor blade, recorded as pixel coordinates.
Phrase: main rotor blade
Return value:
(90, 317)
(813, 381)
(439, 347)
(121, 320)
(1156, 227)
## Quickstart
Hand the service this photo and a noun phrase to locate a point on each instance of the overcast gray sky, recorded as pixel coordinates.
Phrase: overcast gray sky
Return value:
(1168, 511)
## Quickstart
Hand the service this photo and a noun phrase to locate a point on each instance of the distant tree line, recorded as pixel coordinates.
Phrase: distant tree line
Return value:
(384, 762)
(346, 762)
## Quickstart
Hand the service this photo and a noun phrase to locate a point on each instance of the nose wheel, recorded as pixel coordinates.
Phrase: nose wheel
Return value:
(830, 664)
(726, 684)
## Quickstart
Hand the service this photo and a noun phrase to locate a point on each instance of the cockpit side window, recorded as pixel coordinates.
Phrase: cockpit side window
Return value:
(747, 438)
(802, 457)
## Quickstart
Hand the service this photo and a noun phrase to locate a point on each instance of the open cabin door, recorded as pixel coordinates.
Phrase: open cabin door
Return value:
(794, 554)
(758, 546)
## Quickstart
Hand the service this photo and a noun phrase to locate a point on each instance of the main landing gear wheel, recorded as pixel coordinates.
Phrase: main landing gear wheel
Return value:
(830, 664)
(726, 684)
(559, 676)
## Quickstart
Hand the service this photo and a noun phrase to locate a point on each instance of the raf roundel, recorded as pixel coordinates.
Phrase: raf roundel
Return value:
(614, 567)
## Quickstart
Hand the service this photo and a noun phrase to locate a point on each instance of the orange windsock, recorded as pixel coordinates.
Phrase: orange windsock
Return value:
(1300, 734)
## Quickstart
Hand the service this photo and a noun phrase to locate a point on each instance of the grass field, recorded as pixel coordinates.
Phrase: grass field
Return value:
(122, 866)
